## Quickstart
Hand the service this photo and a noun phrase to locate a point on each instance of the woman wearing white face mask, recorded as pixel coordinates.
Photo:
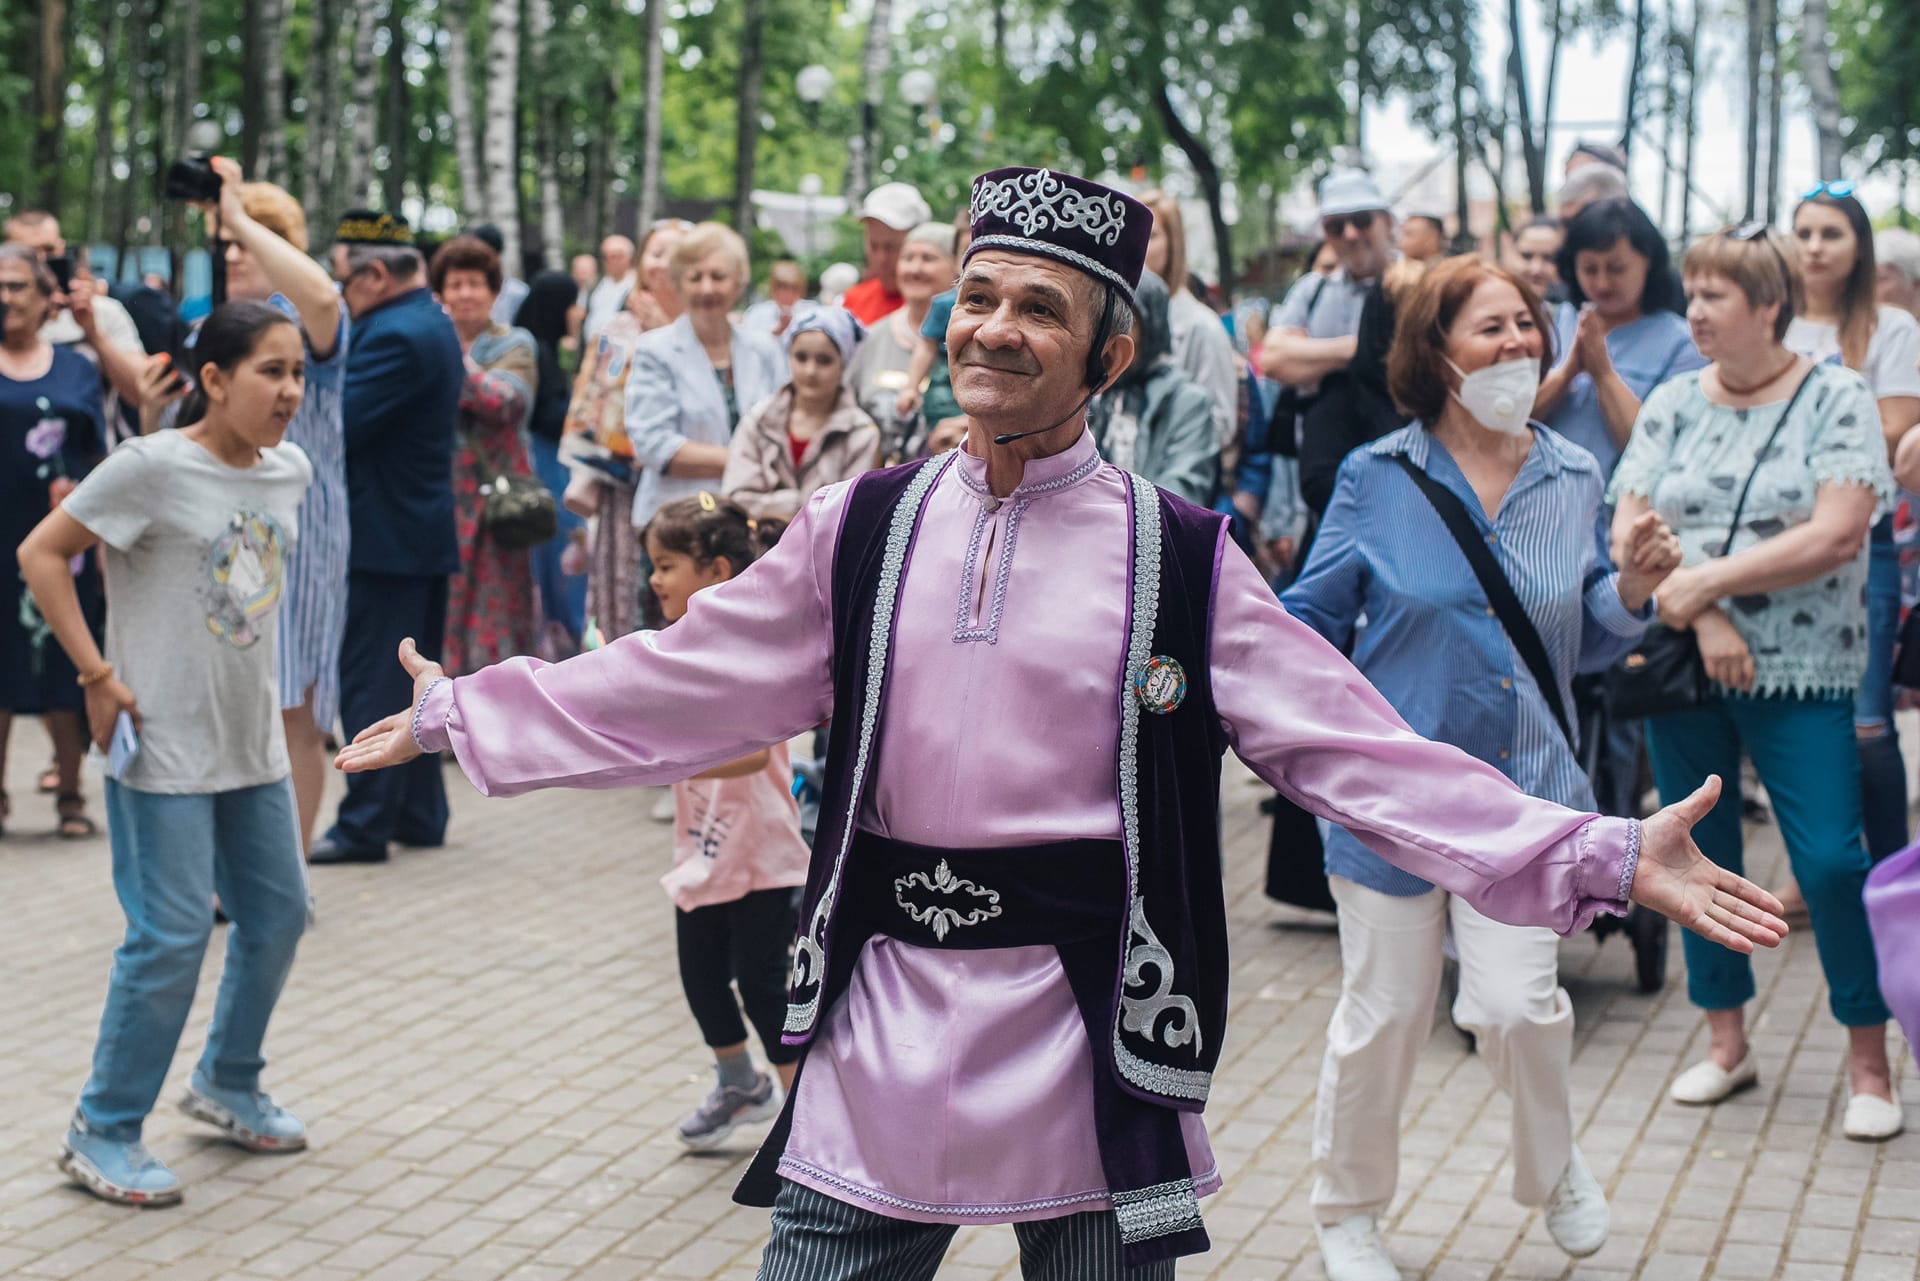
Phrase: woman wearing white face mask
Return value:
(1467, 541)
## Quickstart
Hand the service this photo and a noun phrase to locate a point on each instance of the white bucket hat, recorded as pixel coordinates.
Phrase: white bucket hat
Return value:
(1346, 191)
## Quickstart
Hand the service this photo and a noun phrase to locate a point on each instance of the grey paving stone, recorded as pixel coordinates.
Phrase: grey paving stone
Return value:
(489, 1044)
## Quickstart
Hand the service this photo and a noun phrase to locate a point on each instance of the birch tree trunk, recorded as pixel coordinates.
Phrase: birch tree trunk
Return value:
(746, 135)
(1635, 71)
(650, 126)
(466, 150)
(137, 189)
(100, 189)
(397, 115)
(1556, 31)
(319, 126)
(500, 156)
(183, 84)
(49, 102)
(360, 110)
(546, 134)
(1776, 73)
(251, 106)
(1816, 64)
(862, 165)
(1754, 42)
(1688, 115)
(1536, 164)
(273, 90)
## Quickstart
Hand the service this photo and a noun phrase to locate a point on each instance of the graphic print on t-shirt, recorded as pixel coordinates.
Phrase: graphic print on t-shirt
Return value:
(246, 567)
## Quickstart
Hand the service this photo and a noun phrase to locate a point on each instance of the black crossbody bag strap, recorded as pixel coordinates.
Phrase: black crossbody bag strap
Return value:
(1759, 460)
(1500, 594)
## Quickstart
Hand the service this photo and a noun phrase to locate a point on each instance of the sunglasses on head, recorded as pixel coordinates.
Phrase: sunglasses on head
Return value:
(1335, 225)
(1756, 229)
(1838, 190)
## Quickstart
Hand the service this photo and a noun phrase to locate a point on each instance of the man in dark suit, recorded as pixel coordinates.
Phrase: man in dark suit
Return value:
(402, 408)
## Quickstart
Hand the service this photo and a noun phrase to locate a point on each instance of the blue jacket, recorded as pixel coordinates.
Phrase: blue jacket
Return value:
(402, 412)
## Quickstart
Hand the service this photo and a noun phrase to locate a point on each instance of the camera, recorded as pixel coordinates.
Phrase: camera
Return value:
(193, 178)
(61, 266)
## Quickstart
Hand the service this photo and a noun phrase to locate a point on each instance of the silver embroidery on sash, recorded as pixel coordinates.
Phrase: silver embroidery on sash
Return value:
(1143, 946)
(1157, 1211)
(939, 917)
(810, 951)
(1040, 201)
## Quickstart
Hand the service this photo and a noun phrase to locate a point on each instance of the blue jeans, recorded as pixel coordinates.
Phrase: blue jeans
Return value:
(563, 597)
(1883, 774)
(1803, 750)
(171, 854)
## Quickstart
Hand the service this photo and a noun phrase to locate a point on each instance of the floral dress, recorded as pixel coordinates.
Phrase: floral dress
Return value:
(491, 611)
(49, 433)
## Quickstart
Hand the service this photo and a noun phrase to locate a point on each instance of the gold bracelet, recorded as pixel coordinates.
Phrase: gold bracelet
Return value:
(96, 676)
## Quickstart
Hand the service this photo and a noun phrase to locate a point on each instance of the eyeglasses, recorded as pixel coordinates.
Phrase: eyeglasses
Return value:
(1335, 225)
(17, 287)
(1838, 190)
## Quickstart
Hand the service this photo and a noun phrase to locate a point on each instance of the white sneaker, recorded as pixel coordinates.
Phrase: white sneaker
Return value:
(1577, 1214)
(1708, 1082)
(1871, 1118)
(1353, 1250)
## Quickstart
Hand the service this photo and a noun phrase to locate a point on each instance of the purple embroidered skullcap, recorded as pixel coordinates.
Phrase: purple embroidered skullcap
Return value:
(1068, 219)
(837, 323)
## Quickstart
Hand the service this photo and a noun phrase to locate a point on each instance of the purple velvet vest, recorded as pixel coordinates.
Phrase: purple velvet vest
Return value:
(1153, 992)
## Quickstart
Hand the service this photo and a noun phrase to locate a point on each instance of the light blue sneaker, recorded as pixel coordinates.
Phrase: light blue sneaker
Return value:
(125, 1173)
(248, 1117)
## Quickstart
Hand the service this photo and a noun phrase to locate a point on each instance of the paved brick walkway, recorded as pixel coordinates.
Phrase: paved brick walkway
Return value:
(490, 1096)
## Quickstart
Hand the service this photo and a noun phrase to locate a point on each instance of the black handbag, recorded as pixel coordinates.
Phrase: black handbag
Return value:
(516, 511)
(1664, 672)
(1500, 594)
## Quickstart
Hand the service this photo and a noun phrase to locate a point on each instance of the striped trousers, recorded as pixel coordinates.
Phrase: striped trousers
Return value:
(816, 1238)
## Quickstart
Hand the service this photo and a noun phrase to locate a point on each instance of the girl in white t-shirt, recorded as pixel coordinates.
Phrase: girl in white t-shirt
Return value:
(1843, 323)
(198, 525)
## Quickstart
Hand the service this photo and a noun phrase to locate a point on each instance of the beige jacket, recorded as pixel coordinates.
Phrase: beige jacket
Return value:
(760, 474)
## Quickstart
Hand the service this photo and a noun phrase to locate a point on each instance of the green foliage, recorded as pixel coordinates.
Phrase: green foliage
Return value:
(1877, 47)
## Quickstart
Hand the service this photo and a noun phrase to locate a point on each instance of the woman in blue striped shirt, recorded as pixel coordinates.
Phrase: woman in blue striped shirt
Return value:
(1469, 351)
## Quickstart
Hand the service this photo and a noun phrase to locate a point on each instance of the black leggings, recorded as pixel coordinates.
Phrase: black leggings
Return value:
(744, 942)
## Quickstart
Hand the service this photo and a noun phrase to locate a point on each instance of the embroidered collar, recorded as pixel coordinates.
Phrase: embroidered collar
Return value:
(1063, 470)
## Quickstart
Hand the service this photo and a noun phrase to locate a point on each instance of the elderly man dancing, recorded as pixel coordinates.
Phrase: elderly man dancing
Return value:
(1011, 980)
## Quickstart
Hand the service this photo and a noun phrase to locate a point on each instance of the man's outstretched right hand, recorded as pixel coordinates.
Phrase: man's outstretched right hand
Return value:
(389, 742)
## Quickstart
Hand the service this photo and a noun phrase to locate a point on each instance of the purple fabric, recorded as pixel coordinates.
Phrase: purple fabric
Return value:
(1893, 912)
(1056, 215)
(951, 1086)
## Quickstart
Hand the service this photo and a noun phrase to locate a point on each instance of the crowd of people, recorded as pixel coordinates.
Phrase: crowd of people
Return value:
(1596, 520)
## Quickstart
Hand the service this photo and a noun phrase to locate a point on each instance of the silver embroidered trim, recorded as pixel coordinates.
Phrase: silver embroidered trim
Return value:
(420, 708)
(1022, 497)
(1631, 863)
(1157, 1211)
(1091, 266)
(1042, 201)
(944, 919)
(1136, 1012)
(809, 952)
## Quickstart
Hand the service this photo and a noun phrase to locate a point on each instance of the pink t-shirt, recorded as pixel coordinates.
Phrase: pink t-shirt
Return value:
(733, 836)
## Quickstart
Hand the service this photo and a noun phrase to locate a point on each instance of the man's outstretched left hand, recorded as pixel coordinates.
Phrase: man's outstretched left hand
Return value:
(389, 742)
(1676, 880)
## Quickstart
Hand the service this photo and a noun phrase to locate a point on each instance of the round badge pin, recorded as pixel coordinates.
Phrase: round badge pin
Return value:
(1160, 684)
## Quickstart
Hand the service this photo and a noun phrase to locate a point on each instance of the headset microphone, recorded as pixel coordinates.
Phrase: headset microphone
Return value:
(1041, 431)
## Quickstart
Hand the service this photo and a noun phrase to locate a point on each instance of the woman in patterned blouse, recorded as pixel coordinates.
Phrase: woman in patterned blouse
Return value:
(1780, 616)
